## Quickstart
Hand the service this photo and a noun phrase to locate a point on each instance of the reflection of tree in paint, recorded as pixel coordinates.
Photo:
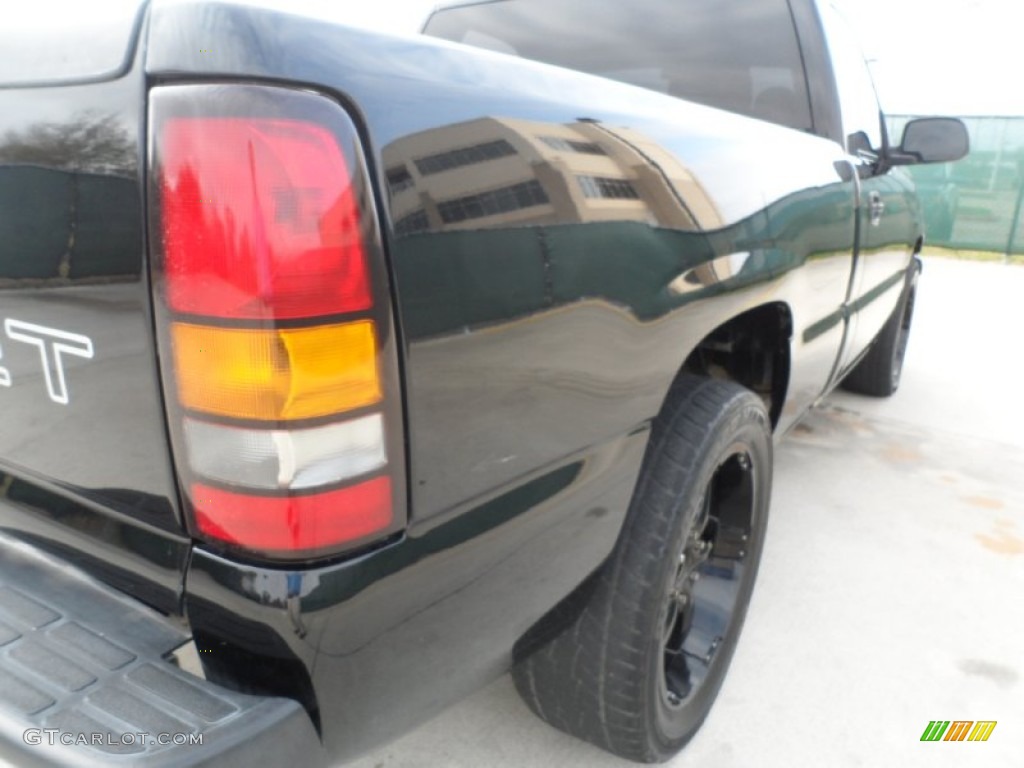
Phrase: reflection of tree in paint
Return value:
(87, 142)
(70, 207)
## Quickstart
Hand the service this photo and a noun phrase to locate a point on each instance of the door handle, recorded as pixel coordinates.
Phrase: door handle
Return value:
(876, 207)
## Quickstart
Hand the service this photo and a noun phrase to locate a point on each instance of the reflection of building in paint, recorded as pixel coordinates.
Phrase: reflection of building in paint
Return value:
(496, 172)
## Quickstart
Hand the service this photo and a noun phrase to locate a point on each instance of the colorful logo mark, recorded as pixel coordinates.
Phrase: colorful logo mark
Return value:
(958, 730)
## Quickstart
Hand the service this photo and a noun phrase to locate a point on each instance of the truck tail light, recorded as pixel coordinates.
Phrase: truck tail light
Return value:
(274, 326)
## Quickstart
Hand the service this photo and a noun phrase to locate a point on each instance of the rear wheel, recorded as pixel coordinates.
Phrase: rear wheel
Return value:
(879, 372)
(638, 668)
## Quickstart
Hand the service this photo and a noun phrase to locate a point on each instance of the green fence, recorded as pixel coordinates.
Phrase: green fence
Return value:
(69, 224)
(975, 203)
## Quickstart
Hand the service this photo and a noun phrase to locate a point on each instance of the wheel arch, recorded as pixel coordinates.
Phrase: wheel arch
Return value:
(753, 349)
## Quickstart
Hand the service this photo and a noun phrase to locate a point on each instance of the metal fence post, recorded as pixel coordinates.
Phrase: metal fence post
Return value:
(1014, 224)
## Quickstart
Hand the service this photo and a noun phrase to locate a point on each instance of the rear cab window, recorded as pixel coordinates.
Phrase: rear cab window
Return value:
(741, 57)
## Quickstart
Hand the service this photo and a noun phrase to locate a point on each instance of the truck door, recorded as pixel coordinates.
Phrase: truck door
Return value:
(884, 227)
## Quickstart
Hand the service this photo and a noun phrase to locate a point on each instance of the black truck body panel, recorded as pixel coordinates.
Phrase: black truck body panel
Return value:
(538, 332)
(90, 477)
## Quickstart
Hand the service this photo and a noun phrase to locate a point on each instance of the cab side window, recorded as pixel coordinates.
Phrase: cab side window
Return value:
(858, 102)
(742, 57)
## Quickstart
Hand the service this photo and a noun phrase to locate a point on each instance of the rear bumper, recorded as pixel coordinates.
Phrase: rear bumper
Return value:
(85, 680)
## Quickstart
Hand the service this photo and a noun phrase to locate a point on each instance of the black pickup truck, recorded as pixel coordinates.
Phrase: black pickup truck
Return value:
(341, 373)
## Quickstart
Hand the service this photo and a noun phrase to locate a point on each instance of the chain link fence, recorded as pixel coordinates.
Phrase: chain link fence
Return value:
(975, 203)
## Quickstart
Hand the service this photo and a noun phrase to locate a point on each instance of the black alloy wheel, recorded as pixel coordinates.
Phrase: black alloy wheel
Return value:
(702, 600)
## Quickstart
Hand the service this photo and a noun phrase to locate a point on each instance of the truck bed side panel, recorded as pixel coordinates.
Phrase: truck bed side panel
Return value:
(547, 295)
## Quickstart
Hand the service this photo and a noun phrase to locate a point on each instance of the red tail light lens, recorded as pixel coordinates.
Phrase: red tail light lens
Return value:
(274, 321)
(295, 523)
(259, 215)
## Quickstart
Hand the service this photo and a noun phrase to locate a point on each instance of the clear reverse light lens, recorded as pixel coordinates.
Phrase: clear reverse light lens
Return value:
(286, 459)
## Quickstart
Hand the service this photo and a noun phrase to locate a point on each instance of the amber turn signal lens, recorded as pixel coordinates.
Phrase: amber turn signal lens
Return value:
(276, 375)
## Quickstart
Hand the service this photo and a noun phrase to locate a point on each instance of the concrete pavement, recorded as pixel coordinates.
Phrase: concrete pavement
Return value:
(891, 591)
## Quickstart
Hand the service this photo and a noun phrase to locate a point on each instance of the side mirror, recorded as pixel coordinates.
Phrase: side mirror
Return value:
(931, 140)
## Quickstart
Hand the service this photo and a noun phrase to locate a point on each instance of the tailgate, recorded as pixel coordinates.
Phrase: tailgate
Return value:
(84, 461)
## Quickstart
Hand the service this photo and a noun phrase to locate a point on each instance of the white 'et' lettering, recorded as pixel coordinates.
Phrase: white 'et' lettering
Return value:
(52, 345)
(5, 375)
